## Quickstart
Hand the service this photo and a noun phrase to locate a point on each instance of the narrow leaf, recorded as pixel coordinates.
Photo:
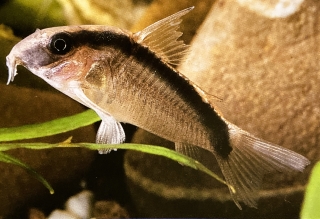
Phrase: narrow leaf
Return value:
(9, 159)
(150, 149)
(49, 128)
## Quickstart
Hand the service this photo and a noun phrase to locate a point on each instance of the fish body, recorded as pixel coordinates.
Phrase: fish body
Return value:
(130, 77)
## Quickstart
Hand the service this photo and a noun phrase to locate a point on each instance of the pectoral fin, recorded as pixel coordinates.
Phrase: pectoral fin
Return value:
(110, 132)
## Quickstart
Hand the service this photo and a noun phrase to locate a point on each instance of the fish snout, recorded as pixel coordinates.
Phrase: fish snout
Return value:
(29, 53)
(11, 62)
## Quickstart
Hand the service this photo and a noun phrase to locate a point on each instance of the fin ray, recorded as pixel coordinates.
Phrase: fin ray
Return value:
(162, 38)
(250, 159)
(109, 132)
(247, 168)
(188, 150)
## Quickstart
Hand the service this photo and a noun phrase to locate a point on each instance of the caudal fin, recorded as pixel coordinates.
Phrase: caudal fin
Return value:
(250, 159)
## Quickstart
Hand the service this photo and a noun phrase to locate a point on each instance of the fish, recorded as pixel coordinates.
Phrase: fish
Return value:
(133, 78)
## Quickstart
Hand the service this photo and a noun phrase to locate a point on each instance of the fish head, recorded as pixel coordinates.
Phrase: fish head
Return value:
(58, 55)
(40, 52)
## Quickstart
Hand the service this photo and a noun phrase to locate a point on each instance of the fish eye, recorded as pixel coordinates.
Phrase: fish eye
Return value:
(60, 43)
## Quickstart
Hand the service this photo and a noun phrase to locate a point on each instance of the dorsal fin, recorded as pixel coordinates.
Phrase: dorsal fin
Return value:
(162, 38)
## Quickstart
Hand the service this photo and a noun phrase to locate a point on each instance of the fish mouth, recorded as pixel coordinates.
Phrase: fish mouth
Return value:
(12, 62)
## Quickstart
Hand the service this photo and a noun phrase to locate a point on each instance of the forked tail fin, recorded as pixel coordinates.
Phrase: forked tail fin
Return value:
(250, 159)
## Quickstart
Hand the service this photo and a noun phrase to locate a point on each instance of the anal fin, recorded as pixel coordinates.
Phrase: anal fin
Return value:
(188, 150)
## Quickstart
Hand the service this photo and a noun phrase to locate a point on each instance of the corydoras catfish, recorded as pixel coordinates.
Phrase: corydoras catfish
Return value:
(131, 78)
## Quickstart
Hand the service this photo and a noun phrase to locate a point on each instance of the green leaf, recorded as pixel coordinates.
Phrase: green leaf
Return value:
(310, 207)
(49, 128)
(150, 149)
(73, 122)
(9, 159)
